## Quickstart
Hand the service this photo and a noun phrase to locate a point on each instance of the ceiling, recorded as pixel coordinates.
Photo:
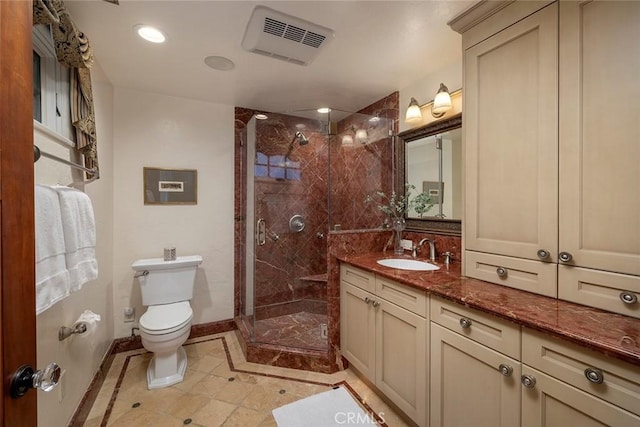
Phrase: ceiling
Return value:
(379, 47)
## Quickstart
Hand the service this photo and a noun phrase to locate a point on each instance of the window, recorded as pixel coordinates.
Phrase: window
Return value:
(276, 167)
(51, 105)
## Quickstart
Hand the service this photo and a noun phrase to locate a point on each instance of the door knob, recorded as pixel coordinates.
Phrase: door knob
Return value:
(25, 378)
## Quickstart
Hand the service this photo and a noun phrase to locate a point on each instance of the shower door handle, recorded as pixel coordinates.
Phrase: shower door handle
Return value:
(261, 234)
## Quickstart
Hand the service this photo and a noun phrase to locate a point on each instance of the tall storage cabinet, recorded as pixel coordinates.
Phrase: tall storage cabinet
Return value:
(552, 123)
(511, 137)
(599, 132)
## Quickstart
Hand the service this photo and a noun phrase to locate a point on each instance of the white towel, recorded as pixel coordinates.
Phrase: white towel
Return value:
(52, 277)
(79, 228)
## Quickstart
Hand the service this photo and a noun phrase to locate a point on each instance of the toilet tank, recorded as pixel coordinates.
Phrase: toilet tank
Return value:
(165, 282)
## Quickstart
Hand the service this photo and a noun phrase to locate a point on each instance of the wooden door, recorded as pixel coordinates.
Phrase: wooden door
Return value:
(17, 240)
(599, 131)
(511, 116)
(467, 387)
(401, 358)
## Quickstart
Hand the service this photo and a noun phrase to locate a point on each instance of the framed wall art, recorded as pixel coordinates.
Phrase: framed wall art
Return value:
(170, 186)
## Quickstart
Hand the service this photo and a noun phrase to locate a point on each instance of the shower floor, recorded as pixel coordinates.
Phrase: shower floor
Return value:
(301, 330)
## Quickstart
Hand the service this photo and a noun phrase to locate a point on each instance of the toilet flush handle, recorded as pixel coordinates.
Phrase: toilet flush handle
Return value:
(141, 274)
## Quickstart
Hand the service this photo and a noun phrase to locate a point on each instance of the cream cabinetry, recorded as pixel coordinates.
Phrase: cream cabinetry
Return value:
(511, 152)
(384, 335)
(551, 151)
(565, 384)
(472, 382)
(599, 223)
(475, 364)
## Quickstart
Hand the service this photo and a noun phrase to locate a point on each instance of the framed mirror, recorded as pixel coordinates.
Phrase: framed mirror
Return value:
(430, 159)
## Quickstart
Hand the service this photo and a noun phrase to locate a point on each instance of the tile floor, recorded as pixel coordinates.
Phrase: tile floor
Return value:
(300, 330)
(220, 389)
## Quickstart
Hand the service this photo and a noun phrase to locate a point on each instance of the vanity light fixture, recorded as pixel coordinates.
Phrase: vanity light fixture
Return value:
(261, 116)
(150, 34)
(413, 112)
(361, 136)
(442, 102)
(347, 140)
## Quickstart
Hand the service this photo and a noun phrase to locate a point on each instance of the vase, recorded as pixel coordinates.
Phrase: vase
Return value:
(398, 225)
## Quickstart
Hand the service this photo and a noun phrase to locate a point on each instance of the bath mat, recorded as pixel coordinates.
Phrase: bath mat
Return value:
(335, 407)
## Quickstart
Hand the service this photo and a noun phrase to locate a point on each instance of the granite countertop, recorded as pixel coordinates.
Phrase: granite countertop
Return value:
(613, 334)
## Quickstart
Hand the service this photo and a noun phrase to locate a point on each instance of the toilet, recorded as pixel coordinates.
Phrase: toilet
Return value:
(167, 287)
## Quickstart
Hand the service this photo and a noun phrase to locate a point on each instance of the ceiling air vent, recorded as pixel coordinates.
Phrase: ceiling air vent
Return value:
(281, 36)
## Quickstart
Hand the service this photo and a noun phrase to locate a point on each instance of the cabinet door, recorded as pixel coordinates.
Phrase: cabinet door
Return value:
(401, 359)
(553, 403)
(511, 137)
(599, 132)
(357, 325)
(467, 387)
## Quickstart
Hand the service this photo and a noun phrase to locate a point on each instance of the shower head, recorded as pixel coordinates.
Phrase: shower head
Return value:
(301, 137)
(302, 140)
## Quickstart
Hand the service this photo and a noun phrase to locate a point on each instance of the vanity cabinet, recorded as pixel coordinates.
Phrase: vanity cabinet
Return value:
(475, 368)
(551, 151)
(568, 385)
(383, 334)
(505, 375)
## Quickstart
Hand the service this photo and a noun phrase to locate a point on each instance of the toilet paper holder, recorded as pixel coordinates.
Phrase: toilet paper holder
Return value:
(65, 332)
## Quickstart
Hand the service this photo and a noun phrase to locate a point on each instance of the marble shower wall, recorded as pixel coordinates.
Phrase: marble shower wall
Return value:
(288, 259)
(362, 169)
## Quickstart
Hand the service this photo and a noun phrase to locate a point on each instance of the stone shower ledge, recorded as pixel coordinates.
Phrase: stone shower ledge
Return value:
(609, 333)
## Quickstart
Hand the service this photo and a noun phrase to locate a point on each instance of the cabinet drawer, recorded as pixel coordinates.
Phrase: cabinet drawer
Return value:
(527, 275)
(497, 334)
(404, 296)
(571, 363)
(357, 277)
(600, 289)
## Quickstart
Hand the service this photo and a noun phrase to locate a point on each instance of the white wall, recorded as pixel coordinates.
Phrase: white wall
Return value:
(174, 133)
(79, 356)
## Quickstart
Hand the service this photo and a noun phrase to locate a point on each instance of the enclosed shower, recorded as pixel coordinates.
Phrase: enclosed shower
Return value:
(306, 174)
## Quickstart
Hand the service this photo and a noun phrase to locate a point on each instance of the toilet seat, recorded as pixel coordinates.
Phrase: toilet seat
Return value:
(166, 318)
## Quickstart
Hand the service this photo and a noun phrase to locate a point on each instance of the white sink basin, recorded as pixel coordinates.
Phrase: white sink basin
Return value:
(407, 264)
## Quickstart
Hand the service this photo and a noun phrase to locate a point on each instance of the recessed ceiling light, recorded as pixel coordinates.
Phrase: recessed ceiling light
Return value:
(219, 63)
(261, 116)
(324, 110)
(150, 33)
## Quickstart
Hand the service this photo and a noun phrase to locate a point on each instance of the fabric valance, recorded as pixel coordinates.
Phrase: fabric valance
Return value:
(73, 51)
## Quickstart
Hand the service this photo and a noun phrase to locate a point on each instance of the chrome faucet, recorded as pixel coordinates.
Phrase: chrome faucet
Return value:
(432, 248)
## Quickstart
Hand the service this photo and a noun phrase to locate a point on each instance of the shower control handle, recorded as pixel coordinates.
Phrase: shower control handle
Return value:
(261, 232)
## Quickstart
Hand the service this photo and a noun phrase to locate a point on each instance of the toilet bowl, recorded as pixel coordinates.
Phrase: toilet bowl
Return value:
(166, 288)
(163, 329)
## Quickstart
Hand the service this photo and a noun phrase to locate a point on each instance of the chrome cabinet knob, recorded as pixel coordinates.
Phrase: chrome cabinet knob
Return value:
(367, 300)
(501, 272)
(529, 381)
(505, 370)
(628, 297)
(565, 256)
(594, 375)
(375, 304)
(465, 323)
(543, 254)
